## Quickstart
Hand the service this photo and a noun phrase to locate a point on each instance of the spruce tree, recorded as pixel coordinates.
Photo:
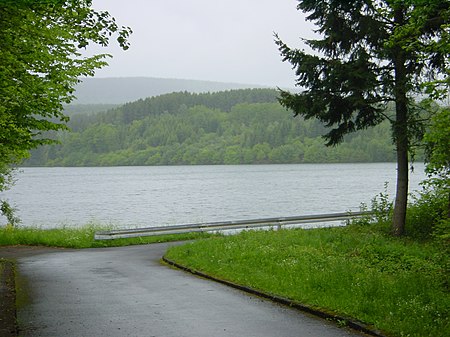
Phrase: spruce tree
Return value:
(371, 54)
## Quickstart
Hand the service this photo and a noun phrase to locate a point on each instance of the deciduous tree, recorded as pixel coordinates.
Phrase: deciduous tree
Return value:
(41, 62)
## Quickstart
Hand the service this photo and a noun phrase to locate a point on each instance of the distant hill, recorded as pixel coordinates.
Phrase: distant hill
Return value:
(120, 90)
(245, 126)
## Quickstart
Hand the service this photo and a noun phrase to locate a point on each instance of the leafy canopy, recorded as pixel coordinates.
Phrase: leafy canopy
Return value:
(40, 43)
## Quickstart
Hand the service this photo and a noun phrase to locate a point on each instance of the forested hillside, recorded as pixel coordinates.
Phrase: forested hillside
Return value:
(245, 126)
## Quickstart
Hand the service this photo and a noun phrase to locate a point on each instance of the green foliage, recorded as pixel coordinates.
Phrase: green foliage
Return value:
(6, 180)
(83, 237)
(428, 216)
(6, 176)
(236, 127)
(370, 53)
(396, 285)
(40, 44)
(382, 207)
(441, 233)
(437, 140)
(9, 212)
(425, 36)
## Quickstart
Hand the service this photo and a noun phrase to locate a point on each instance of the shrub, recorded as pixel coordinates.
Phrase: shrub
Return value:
(427, 216)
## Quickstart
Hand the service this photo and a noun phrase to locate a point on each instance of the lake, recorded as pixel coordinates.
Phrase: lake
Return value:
(164, 195)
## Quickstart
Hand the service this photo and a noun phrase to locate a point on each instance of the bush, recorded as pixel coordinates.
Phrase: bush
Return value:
(427, 216)
(426, 219)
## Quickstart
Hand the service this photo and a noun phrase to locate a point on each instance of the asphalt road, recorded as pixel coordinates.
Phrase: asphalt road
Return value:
(127, 292)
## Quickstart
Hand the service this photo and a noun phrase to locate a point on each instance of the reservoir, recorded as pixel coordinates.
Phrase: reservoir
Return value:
(163, 195)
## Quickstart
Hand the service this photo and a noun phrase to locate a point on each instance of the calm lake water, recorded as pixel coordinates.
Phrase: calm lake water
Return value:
(151, 196)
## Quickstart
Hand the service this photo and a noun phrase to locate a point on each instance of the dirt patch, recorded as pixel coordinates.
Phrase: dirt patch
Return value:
(8, 323)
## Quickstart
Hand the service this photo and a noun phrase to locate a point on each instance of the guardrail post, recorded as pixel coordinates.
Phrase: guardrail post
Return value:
(280, 223)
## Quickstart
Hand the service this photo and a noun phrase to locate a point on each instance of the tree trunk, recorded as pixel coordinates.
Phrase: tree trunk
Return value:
(401, 197)
(400, 133)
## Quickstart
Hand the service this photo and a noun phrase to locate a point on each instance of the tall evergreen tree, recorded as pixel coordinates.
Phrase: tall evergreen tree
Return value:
(371, 54)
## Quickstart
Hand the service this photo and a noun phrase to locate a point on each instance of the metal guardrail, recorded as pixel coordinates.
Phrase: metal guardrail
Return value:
(225, 225)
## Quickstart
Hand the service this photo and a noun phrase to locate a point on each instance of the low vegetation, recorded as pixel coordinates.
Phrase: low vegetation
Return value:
(83, 237)
(397, 285)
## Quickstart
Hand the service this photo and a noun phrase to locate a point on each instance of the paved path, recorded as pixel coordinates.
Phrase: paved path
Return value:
(127, 292)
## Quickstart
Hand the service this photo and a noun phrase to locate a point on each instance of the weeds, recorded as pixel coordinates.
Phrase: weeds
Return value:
(82, 237)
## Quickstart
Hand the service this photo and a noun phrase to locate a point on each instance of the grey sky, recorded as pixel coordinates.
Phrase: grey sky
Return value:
(226, 41)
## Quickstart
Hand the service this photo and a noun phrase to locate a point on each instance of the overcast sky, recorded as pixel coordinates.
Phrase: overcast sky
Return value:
(226, 41)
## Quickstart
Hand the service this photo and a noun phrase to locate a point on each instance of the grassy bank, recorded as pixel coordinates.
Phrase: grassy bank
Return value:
(399, 286)
(82, 237)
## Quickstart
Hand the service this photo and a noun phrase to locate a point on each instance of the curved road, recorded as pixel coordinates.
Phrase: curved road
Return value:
(127, 292)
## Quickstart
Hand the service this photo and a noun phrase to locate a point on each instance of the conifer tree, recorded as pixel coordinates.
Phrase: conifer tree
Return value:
(371, 54)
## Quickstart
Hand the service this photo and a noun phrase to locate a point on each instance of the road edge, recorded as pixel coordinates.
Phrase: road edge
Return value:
(339, 320)
(8, 311)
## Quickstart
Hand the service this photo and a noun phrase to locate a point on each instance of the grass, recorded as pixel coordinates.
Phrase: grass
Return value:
(399, 286)
(83, 237)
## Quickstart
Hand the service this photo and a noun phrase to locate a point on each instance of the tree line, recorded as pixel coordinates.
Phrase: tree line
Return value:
(246, 126)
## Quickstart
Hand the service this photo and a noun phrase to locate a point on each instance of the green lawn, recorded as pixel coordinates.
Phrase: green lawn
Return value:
(82, 237)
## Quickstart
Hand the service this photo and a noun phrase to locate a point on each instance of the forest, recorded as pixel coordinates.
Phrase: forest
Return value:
(245, 126)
